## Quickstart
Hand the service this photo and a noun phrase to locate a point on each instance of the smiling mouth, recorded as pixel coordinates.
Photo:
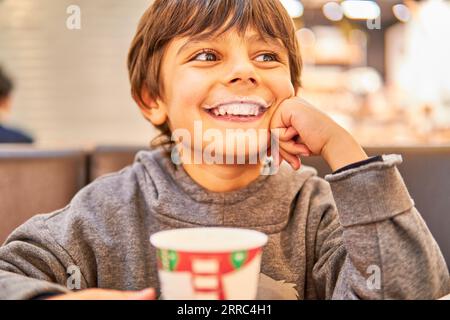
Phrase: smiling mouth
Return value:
(242, 111)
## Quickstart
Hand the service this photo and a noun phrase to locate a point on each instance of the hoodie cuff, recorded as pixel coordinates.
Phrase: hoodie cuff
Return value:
(370, 192)
(45, 296)
(359, 164)
(19, 287)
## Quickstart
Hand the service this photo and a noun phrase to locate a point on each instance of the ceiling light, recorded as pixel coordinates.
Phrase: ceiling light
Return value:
(333, 11)
(293, 7)
(401, 12)
(361, 10)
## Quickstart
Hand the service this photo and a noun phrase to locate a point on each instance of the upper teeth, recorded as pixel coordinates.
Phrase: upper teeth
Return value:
(241, 109)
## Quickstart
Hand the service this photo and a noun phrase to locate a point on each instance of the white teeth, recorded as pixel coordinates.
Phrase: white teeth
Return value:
(241, 109)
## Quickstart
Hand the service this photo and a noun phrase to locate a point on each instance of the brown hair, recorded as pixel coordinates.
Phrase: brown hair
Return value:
(165, 20)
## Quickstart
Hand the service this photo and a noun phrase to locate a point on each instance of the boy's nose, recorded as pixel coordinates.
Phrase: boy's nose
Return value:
(244, 79)
(242, 71)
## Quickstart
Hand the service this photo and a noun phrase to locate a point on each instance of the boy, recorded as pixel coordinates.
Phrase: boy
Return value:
(205, 61)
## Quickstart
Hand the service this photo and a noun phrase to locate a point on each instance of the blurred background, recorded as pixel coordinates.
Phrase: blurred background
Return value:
(380, 68)
(71, 85)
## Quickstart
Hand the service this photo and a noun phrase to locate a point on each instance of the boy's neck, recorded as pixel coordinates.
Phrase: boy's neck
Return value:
(223, 177)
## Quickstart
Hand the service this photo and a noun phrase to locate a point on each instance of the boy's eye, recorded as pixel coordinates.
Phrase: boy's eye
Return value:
(271, 56)
(206, 55)
(209, 55)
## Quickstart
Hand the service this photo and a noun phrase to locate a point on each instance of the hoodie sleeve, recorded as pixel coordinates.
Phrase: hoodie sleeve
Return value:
(32, 263)
(53, 253)
(77, 247)
(372, 243)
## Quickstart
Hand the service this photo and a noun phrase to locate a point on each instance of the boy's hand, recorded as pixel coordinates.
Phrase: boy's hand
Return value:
(102, 294)
(305, 131)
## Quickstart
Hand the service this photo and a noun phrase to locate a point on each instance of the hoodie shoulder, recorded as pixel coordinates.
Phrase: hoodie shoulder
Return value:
(113, 191)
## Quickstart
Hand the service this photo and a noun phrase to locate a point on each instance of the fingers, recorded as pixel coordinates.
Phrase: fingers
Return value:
(295, 148)
(146, 294)
(288, 134)
(290, 140)
(290, 151)
(293, 160)
(104, 294)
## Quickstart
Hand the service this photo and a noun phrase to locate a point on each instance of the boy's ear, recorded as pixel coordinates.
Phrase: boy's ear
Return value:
(154, 111)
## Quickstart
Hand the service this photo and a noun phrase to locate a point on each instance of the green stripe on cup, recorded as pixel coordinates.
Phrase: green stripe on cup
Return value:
(238, 258)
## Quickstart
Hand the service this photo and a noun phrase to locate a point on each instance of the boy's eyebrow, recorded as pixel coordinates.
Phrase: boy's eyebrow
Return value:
(210, 37)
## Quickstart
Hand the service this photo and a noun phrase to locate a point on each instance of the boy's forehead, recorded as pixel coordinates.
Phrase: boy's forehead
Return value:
(250, 36)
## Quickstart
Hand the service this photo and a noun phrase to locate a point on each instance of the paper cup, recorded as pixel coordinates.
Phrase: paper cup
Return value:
(209, 263)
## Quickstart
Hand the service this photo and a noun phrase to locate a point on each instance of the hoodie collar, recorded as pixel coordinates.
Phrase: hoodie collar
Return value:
(264, 204)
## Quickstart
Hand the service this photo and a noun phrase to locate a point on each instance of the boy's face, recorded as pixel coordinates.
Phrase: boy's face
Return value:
(198, 75)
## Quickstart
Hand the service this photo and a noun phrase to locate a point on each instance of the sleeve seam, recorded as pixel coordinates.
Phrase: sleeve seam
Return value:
(377, 221)
(48, 231)
(72, 257)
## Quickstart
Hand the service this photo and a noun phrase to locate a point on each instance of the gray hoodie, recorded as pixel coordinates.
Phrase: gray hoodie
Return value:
(355, 235)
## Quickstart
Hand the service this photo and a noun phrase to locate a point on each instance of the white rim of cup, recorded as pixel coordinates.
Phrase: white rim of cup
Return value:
(200, 240)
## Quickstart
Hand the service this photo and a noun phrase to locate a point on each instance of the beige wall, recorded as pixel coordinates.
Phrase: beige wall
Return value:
(72, 85)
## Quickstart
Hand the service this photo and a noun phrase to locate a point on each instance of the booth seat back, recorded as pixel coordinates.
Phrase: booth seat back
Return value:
(37, 181)
(108, 159)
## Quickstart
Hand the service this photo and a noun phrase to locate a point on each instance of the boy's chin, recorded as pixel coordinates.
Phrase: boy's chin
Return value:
(247, 157)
